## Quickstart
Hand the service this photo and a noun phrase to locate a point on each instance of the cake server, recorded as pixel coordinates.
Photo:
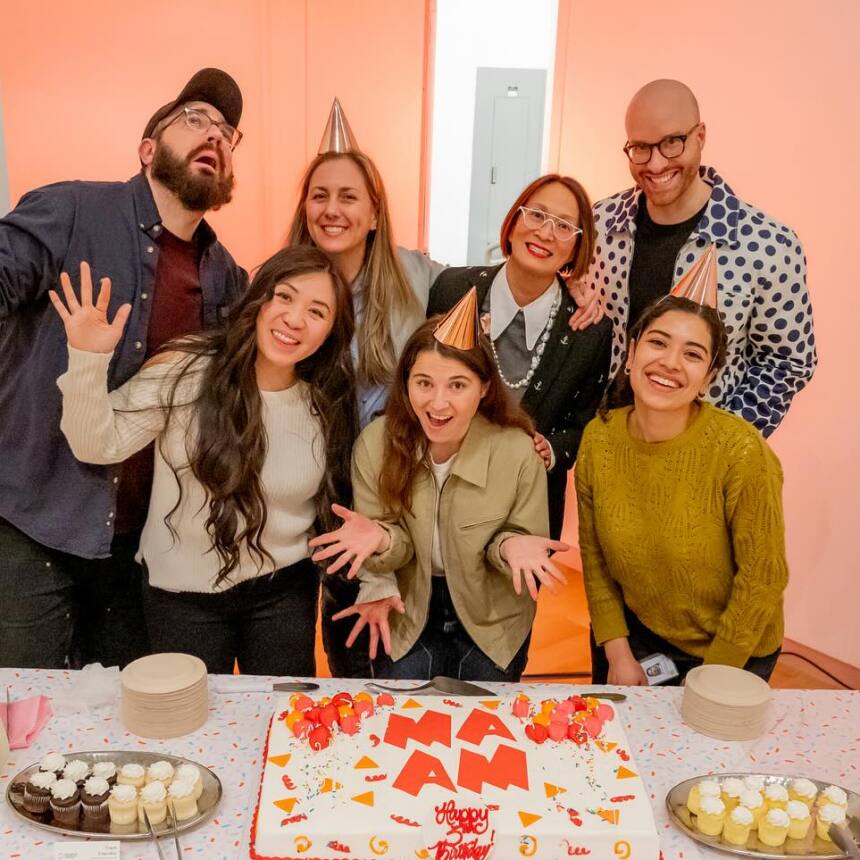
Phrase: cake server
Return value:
(152, 833)
(452, 686)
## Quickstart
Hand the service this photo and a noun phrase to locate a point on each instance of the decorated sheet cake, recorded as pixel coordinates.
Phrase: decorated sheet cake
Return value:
(400, 778)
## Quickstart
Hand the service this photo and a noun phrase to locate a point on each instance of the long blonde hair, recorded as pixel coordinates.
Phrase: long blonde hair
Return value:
(386, 289)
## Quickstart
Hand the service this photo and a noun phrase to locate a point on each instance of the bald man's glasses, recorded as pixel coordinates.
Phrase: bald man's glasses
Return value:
(670, 146)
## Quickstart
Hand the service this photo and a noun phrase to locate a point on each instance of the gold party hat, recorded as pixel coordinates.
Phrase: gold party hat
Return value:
(338, 136)
(700, 283)
(459, 327)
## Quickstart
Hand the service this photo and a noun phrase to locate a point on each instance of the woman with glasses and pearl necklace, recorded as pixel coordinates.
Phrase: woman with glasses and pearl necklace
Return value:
(557, 374)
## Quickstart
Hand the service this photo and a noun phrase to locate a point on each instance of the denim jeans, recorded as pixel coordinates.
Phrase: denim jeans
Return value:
(267, 624)
(60, 610)
(445, 648)
(644, 643)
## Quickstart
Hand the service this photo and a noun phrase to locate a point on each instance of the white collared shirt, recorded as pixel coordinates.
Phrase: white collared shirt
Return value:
(503, 309)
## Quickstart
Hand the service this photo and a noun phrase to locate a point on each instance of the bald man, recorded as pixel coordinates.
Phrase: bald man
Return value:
(650, 235)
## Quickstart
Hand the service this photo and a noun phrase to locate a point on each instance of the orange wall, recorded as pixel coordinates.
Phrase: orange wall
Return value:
(777, 81)
(79, 83)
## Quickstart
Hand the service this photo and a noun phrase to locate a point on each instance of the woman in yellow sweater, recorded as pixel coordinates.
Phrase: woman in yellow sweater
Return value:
(680, 511)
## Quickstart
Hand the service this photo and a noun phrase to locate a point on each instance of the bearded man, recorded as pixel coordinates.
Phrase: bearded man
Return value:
(69, 531)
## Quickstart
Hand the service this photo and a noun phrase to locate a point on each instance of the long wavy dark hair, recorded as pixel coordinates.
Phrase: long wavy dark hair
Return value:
(406, 446)
(228, 447)
(620, 392)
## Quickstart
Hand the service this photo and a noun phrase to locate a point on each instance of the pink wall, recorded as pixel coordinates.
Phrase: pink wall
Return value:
(78, 89)
(777, 81)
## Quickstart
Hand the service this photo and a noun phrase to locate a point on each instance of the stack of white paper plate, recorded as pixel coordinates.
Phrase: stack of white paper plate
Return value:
(726, 703)
(164, 695)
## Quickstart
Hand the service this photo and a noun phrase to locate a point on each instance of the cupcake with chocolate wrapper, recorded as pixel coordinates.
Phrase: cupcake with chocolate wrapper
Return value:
(94, 798)
(65, 801)
(106, 770)
(53, 762)
(37, 791)
(77, 771)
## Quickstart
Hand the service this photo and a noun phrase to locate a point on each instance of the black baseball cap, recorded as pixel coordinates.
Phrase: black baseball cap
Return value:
(213, 86)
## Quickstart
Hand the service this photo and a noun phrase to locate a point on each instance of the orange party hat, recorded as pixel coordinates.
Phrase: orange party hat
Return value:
(338, 136)
(459, 327)
(700, 283)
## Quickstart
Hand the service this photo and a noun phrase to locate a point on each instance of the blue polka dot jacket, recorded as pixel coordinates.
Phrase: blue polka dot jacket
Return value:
(762, 297)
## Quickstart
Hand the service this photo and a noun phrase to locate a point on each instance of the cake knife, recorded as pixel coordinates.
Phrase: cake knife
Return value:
(251, 684)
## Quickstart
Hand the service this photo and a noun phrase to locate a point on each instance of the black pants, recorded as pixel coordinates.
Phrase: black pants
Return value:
(445, 648)
(267, 624)
(644, 642)
(343, 662)
(60, 610)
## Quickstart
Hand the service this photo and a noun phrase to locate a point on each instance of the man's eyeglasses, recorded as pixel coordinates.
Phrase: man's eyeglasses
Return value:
(200, 121)
(670, 146)
(563, 230)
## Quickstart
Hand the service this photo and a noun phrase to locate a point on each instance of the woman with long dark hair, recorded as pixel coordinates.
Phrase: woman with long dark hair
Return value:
(558, 375)
(254, 423)
(680, 511)
(450, 520)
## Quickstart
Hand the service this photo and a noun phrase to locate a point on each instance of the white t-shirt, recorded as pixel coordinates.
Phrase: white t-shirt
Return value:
(440, 475)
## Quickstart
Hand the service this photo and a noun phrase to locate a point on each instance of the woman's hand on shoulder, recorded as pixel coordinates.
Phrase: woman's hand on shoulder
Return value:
(86, 324)
(624, 669)
(543, 448)
(589, 308)
(373, 615)
(529, 561)
(356, 540)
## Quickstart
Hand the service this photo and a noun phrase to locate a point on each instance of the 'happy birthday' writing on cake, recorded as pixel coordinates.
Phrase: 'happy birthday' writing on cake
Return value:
(461, 823)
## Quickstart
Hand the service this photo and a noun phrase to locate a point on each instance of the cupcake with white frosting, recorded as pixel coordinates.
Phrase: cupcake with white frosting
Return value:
(828, 814)
(712, 816)
(77, 771)
(131, 774)
(160, 771)
(702, 789)
(106, 770)
(122, 804)
(182, 800)
(799, 819)
(803, 790)
(737, 827)
(94, 798)
(730, 792)
(190, 773)
(153, 800)
(776, 796)
(65, 801)
(754, 782)
(53, 762)
(833, 794)
(37, 791)
(773, 828)
(754, 802)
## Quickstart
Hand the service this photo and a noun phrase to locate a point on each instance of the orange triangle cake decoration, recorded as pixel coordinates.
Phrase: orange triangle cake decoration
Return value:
(411, 703)
(606, 746)
(365, 762)
(287, 804)
(528, 818)
(552, 790)
(624, 773)
(366, 798)
(493, 706)
(610, 815)
(280, 760)
(330, 784)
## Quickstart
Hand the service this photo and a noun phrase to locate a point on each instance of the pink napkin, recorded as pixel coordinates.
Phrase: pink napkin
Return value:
(26, 718)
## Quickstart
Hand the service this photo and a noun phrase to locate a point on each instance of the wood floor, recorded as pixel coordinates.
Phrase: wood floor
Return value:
(559, 649)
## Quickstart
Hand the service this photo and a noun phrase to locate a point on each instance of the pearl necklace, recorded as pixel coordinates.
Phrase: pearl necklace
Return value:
(538, 353)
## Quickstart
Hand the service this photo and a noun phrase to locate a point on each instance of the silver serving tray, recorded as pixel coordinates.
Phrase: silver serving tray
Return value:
(810, 848)
(206, 804)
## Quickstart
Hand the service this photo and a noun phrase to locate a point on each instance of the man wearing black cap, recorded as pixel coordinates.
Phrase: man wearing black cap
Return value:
(68, 531)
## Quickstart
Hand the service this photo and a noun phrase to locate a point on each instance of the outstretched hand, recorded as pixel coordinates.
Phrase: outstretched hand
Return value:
(358, 538)
(375, 616)
(86, 324)
(528, 558)
(589, 309)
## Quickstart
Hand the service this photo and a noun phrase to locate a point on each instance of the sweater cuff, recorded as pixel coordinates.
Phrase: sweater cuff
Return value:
(725, 653)
(609, 627)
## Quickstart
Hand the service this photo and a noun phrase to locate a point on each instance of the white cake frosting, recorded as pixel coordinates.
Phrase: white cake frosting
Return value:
(132, 770)
(124, 793)
(446, 777)
(104, 769)
(709, 788)
(834, 794)
(63, 789)
(712, 806)
(189, 773)
(96, 785)
(741, 815)
(53, 761)
(777, 818)
(797, 810)
(180, 788)
(76, 770)
(43, 779)
(776, 792)
(754, 782)
(804, 787)
(831, 813)
(160, 770)
(733, 786)
(751, 799)
(154, 792)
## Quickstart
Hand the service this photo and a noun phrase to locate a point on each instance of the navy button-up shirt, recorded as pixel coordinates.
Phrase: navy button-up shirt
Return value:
(44, 491)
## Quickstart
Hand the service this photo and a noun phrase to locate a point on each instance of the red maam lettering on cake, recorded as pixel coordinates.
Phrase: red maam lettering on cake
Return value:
(422, 769)
(483, 724)
(508, 766)
(462, 822)
(432, 727)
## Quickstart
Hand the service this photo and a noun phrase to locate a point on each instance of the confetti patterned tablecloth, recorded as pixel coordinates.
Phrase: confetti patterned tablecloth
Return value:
(815, 733)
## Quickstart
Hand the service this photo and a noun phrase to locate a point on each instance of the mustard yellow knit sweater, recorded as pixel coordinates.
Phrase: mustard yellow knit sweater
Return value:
(687, 533)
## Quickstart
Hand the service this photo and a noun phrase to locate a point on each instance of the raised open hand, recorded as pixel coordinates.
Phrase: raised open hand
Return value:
(528, 558)
(375, 616)
(358, 538)
(87, 326)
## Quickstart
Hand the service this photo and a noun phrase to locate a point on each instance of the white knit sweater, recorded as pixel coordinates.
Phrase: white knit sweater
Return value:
(104, 427)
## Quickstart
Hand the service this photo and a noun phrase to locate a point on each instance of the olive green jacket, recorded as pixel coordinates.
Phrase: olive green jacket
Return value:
(496, 489)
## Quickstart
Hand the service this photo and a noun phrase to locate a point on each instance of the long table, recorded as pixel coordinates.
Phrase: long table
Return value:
(812, 732)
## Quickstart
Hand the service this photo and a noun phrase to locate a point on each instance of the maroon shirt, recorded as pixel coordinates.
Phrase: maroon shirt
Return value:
(177, 309)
